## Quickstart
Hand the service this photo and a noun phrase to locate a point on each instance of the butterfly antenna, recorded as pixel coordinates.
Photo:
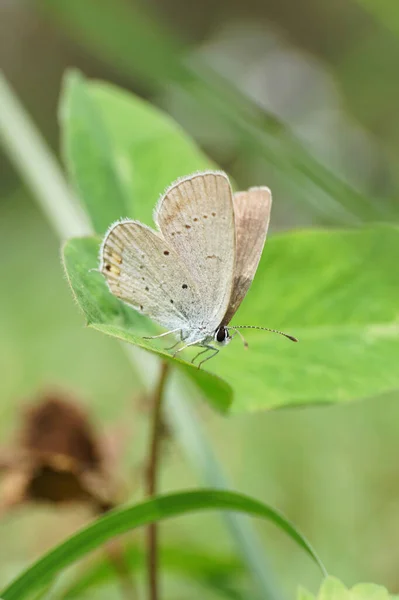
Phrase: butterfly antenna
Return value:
(290, 337)
(244, 341)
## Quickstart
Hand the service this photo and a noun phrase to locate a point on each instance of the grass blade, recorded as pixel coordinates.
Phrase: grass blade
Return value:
(121, 521)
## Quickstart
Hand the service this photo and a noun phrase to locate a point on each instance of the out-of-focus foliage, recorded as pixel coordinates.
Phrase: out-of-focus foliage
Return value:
(211, 96)
(211, 571)
(333, 589)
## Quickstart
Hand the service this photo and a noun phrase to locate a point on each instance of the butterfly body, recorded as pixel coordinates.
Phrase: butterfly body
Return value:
(191, 274)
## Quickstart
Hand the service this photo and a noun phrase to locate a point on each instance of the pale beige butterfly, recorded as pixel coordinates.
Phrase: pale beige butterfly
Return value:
(191, 274)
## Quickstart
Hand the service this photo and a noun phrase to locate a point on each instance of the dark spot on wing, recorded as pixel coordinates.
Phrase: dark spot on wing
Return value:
(188, 226)
(108, 267)
(166, 252)
(147, 289)
(205, 216)
(184, 286)
(171, 301)
(213, 214)
(195, 219)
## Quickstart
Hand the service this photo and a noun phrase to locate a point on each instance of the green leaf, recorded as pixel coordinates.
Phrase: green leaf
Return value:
(336, 291)
(333, 589)
(369, 591)
(120, 521)
(304, 594)
(120, 152)
(89, 153)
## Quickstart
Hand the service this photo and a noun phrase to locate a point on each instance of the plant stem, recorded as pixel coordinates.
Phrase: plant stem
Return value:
(152, 481)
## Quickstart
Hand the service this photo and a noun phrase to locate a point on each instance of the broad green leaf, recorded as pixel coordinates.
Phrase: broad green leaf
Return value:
(151, 149)
(90, 156)
(121, 153)
(335, 290)
(120, 521)
(333, 589)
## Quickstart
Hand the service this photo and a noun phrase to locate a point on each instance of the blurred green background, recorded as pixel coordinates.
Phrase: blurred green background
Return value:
(325, 73)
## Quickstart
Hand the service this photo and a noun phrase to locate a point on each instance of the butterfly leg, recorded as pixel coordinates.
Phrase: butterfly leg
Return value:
(178, 342)
(215, 351)
(173, 346)
(184, 347)
(154, 337)
(199, 354)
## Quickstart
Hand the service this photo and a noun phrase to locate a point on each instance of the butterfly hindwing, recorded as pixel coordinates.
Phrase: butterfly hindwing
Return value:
(252, 214)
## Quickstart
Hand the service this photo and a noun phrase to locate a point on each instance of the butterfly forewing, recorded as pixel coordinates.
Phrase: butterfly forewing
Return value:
(196, 218)
(143, 270)
(252, 214)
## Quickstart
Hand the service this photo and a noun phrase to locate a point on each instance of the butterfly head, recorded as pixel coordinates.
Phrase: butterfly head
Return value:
(222, 336)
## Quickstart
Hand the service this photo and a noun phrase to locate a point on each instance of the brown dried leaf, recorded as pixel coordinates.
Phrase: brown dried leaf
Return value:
(58, 458)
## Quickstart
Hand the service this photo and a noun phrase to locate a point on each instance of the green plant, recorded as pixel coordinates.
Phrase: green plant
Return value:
(333, 589)
(120, 153)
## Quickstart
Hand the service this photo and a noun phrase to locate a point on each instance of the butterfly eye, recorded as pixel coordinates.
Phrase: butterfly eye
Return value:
(221, 335)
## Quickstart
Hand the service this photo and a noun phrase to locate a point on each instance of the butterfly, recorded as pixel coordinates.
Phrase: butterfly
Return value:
(191, 274)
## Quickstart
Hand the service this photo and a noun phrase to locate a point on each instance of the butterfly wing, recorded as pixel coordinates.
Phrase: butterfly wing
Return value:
(144, 271)
(196, 217)
(252, 214)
